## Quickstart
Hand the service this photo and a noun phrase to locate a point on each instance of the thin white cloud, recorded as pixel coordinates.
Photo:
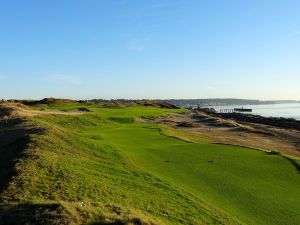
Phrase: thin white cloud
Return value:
(65, 79)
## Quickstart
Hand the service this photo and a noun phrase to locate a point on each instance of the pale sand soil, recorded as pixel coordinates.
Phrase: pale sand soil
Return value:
(226, 131)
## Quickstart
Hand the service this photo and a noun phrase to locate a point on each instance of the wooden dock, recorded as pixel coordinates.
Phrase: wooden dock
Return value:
(235, 110)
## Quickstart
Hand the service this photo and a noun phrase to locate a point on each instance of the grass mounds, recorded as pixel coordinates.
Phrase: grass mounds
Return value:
(105, 167)
(167, 105)
(164, 105)
(113, 105)
(55, 101)
(48, 101)
(9, 110)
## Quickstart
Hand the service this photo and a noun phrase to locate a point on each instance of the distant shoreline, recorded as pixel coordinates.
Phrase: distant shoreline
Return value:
(225, 102)
(285, 110)
(280, 122)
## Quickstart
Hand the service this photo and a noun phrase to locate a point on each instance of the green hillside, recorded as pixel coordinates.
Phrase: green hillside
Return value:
(111, 166)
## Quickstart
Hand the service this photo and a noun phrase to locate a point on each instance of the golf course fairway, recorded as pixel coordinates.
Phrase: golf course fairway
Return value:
(113, 164)
(252, 186)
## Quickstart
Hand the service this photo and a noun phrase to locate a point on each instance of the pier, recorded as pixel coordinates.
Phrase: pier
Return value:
(235, 110)
(227, 111)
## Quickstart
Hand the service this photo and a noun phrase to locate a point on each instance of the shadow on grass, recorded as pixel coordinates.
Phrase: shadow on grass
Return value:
(14, 138)
(109, 223)
(134, 221)
(51, 214)
(292, 161)
(34, 214)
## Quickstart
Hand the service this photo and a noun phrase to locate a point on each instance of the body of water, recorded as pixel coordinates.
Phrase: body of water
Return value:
(274, 110)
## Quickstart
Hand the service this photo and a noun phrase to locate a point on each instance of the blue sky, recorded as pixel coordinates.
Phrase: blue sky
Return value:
(150, 49)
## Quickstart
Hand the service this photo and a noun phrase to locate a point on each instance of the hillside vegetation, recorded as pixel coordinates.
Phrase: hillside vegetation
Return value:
(86, 163)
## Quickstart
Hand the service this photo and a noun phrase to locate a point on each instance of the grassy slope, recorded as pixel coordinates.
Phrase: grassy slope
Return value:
(102, 163)
(93, 181)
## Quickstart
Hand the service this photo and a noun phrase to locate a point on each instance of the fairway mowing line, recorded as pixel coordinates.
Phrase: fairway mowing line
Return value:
(177, 138)
(292, 161)
(242, 146)
(160, 131)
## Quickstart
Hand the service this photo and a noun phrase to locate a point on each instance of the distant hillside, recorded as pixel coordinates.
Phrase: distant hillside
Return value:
(160, 103)
(202, 102)
(46, 101)
(286, 101)
(222, 101)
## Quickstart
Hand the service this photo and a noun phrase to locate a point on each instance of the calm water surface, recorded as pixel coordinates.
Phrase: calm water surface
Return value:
(275, 110)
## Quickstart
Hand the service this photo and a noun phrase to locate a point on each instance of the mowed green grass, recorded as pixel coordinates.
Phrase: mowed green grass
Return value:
(249, 186)
(253, 186)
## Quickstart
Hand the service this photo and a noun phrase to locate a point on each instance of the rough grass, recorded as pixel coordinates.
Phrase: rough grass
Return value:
(102, 167)
(97, 182)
